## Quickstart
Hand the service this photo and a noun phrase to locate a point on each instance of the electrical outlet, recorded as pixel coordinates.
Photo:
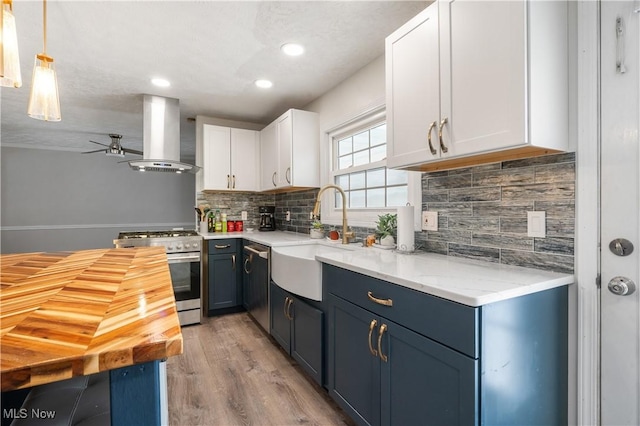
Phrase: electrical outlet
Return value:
(310, 215)
(537, 224)
(243, 215)
(429, 221)
(288, 216)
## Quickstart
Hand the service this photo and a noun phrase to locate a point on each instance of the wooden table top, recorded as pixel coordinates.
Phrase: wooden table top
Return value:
(70, 314)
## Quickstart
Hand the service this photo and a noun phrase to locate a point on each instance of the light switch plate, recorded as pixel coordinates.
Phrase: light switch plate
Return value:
(243, 215)
(429, 221)
(537, 224)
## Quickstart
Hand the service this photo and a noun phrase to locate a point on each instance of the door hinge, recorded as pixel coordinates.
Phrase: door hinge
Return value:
(598, 281)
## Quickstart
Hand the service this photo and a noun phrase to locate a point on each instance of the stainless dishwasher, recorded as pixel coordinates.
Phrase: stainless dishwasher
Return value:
(255, 282)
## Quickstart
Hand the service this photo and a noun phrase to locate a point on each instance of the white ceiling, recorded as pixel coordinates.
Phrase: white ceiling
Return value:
(106, 52)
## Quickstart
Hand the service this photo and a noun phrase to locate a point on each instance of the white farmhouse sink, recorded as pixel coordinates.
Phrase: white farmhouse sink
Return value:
(295, 269)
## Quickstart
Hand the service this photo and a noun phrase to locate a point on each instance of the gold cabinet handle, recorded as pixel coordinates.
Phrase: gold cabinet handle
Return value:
(233, 262)
(273, 178)
(247, 262)
(431, 127)
(220, 247)
(228, 182)
(286, 301)
(289, 309)
(383, 328)
(385, 302)
(372, 325)
(442, 146)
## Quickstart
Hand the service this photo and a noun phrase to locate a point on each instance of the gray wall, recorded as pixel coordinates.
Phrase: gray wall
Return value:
(55, 200)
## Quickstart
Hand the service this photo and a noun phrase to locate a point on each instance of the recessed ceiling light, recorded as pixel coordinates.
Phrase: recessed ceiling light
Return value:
(160, 82)
(292, 49)
(263, 84)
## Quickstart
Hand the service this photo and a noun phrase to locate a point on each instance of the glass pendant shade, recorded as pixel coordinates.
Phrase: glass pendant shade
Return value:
(44, 103)
(10, 60)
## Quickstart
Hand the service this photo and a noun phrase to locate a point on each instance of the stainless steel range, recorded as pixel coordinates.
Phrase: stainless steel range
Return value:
(183, 255)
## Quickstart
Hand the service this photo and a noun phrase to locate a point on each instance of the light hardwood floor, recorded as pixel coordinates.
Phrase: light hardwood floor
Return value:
(231, 373)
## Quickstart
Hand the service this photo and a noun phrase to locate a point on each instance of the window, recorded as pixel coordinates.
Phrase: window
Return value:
(359, 168)
(354, 158)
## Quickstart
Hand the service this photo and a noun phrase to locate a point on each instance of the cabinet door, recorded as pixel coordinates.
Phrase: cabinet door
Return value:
(223, 273)
(244, 160)
(483, 71)
(285, 141)
(216, 154)
(413, 90)
(423, 382)
(353, 369)
(306, 338)
(280, 323)
(268, 157)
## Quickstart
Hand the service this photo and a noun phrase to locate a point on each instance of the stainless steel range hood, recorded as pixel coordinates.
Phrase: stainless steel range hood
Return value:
(161, 137)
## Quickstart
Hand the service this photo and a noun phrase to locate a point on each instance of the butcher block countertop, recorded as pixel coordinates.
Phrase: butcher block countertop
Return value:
(70, 314)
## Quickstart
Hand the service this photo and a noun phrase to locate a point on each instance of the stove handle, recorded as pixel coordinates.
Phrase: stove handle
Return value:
(177, 259)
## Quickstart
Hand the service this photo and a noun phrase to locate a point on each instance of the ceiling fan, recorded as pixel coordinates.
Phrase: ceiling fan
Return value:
(115, 148)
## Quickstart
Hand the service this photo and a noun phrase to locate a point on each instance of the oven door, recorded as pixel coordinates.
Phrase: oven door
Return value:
(185, 275)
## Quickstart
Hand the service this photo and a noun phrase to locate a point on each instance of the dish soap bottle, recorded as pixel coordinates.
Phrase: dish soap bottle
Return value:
(218, 221)
(224, 222)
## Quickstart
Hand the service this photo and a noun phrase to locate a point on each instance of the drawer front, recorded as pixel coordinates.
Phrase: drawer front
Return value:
(229, 245)
(450, 323)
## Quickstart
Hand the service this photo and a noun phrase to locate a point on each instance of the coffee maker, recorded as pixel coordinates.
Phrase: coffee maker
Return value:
(267, 219)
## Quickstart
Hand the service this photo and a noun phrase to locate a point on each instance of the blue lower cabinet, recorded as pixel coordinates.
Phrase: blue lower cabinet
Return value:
(423, 382)
(224, 269)
(383, 373)
(504, 363)
(298, 328)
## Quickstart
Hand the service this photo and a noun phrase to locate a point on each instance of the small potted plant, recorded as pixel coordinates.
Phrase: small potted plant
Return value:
(316, 230)
(386, 229)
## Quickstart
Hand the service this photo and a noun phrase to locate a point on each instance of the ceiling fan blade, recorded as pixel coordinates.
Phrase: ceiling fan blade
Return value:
(91, 152)
(99, 143)
(132, 151)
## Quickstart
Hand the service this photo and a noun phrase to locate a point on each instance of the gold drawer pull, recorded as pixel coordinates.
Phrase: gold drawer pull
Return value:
(222, 247)
(371, 327)
(385, 302)
(383, 328)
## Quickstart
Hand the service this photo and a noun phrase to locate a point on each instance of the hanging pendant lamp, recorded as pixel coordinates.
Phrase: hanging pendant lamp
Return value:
(9, 57)
(44, 103)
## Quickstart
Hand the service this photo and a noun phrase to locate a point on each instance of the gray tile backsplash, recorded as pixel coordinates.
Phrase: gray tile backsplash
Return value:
(233, 203)
(482, 211)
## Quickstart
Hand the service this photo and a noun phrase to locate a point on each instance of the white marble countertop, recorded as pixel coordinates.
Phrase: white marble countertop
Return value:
(270, 238)
(466, 281)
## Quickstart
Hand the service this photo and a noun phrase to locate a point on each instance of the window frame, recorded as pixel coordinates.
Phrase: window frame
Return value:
(361, 217)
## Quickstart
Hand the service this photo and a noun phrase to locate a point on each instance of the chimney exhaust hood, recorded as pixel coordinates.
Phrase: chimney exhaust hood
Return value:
(161, 137)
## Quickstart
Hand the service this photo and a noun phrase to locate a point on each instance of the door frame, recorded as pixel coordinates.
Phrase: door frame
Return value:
(587, 256)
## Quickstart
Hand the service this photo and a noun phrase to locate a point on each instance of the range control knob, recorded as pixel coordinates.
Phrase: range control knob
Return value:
(187, 245)
(169, 247)
(178, 246)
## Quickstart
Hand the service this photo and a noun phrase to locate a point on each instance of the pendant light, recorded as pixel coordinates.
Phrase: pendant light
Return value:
(9, 57)
(44, 103)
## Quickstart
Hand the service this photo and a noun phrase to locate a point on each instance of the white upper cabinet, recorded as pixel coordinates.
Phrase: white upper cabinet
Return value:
(268, 157)
(291, 152)
(230, 158)
(471, 82)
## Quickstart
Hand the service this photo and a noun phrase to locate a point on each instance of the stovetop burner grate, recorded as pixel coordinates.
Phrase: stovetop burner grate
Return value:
(156, 234)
